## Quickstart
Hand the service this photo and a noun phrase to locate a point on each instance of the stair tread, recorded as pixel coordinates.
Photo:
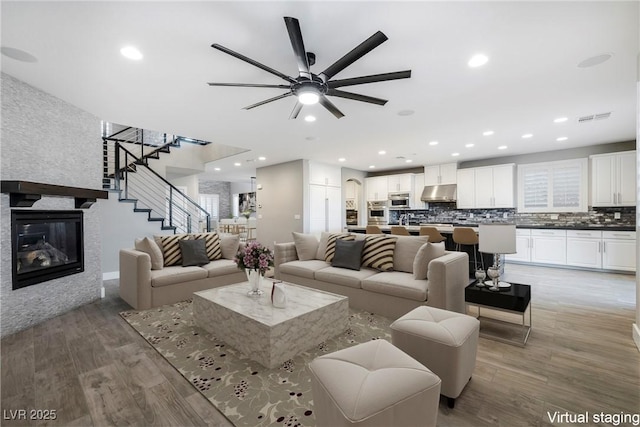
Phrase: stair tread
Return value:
(142, 210)
(155, 219)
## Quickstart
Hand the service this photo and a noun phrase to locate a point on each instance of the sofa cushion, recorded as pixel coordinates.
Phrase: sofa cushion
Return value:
(331, 244)
(406, 249)
(306, 245)
(176, 274)
(348, 254)
(303, 268)
(194, 252)
(425, 254)
(343, 276)
(171, 248)
(378, 252)
(398, 284)
(213, 247)
(151, 248)
(221, 267)
(322, 244)
(229, 244)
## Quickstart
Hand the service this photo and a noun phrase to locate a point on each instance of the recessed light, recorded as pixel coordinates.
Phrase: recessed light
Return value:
(382, 152)
(455, 154)
(216, 169)
(527, 135)
(237, 164)
(562, 138)
(408, 161)
(469, 145)
(17, 54)
(502, 147)
(262, 158)
(372, 166)
(477, 60)
(405, 112)
(342, 159)
(560, 120)
(487, 133)
(310, 119)
(595, 60)
(433, 143)
(131, 52)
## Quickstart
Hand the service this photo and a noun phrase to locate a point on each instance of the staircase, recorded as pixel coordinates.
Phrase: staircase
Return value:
(126, 155)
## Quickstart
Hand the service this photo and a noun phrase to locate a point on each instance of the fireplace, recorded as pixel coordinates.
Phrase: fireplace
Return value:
(45, 245)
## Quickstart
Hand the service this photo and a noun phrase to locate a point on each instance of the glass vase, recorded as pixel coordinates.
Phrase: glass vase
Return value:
(255, 280)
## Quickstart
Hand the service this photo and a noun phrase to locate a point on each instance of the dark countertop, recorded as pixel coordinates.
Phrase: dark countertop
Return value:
(612, 227)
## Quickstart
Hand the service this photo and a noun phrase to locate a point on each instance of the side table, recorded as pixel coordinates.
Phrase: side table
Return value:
(515, 300)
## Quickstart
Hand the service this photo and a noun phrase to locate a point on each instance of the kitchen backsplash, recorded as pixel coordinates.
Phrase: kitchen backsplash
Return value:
(447, 213)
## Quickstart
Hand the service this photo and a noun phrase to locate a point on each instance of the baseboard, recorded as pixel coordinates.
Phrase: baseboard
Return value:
(111, 275)
(636, 335)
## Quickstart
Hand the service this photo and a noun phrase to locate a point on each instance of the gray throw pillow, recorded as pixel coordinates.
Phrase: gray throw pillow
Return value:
(348, 254)
(194, 252)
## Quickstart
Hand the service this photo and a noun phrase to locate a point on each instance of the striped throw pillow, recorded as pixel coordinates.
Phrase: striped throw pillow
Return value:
(212, 244)
(171, 248)
(378, 252)
(331, 244)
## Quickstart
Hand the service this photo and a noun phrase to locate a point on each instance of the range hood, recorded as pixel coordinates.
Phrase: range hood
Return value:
(439, 193)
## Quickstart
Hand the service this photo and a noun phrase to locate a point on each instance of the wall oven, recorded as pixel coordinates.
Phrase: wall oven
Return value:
(399, 200)
(378, 213)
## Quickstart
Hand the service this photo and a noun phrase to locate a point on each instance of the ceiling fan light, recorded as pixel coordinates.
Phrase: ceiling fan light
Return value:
(308, 97)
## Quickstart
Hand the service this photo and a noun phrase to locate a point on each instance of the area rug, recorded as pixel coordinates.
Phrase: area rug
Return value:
(243, 390)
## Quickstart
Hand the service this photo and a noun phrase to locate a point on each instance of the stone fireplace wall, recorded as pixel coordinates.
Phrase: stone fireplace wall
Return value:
(45, 139)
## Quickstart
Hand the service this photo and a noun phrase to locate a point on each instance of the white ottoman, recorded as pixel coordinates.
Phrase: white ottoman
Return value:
(443, 341)
(373, 384)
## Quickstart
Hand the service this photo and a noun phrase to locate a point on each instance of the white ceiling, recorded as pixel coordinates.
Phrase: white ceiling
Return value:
(531, 77)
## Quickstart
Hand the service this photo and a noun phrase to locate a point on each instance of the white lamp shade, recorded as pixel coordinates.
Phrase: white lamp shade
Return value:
(497, 238)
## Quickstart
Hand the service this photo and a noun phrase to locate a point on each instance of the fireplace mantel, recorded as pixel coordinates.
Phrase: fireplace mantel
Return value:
(26, 193)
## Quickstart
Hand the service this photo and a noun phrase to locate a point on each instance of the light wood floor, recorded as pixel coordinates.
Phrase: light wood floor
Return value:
(94, 370)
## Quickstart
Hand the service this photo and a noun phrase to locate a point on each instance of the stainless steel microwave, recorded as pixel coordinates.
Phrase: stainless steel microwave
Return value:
(399, 200)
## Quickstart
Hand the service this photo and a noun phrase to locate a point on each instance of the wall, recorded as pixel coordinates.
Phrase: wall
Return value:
(45, 139)
(280, 202)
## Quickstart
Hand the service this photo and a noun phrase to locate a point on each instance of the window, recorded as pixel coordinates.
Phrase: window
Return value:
(553, 186)
(211, 204)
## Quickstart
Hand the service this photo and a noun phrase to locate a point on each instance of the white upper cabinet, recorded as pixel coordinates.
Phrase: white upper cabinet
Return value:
(418, 182)
(323, 174)
(351, 190)
(613, 179)
(486, 187)
(377, 188)
(440, 174)
(401, 183)
(466, 189)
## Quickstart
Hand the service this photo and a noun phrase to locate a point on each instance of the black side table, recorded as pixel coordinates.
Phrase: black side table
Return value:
(515, 300)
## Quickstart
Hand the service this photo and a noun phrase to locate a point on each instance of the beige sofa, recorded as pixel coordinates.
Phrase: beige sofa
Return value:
(389, 293)
(144, 287)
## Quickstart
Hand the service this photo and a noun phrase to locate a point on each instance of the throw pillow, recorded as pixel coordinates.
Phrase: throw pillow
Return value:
(406, 250)
(348, 254)
(194, 252)
(426, 253)
(171, 248)
(331, 244)
(150, 247)
(212, 243)
(306, 245)
(229, 243)
(378, 252)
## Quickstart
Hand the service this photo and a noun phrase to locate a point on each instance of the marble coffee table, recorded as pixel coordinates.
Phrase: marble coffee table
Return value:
(266, 334)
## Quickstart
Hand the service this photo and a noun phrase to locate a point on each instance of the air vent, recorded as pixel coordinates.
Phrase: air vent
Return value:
(600, 116)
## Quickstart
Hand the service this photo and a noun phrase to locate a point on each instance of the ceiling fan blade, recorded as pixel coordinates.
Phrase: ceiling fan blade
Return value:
(356, 96)
(370, 79)
(252, 62)
(329, 106)
(250, 85)
(296, 110)
(295, 35)
(358, 52)
(266, 101)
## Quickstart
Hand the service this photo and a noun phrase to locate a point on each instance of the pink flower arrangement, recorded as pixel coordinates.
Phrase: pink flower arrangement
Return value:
(254, 257)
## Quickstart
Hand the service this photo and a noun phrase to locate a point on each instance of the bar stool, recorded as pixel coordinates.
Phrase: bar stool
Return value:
(433, 233)
(466, 236)
(399, 230)
(373, 229)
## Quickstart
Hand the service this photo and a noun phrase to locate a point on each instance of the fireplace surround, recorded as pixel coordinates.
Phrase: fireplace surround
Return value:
(45, 245)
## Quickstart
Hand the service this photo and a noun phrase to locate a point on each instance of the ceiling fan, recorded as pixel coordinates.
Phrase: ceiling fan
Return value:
(311, 88)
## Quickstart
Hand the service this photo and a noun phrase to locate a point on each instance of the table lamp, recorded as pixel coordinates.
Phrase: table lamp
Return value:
(497, 239)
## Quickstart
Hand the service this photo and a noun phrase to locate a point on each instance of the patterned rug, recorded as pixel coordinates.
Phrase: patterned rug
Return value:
(244, 391)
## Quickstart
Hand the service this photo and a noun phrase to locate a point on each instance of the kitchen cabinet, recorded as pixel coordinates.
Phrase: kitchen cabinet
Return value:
(584, 248)
(377, 188)
(351, 191)
(486, 187)
(440, 174)
(619, 250)
(523, 246)
(549, 246)
(324, 174)
(401, 183)
(418, 182)
(324, 208)
(613, 179)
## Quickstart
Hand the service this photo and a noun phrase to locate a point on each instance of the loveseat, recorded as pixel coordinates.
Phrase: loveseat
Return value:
(406, 273)
(152, 274)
